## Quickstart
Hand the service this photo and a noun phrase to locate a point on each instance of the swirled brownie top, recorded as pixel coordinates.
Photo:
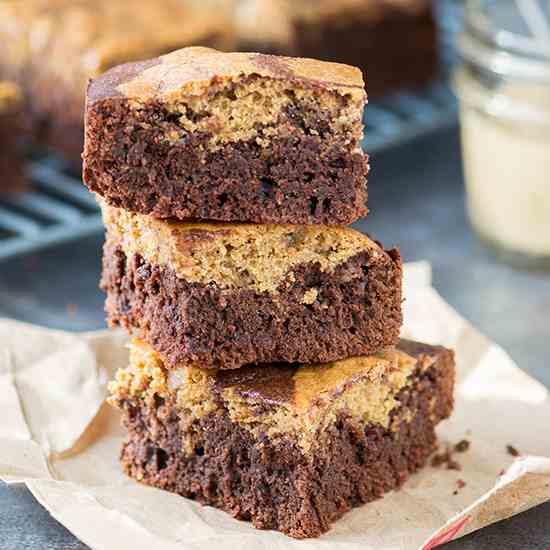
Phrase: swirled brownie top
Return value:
(256, 256)
(229, 95)
(281, 399)
(190, 71)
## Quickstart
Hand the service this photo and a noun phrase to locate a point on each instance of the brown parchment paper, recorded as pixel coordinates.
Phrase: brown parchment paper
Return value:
(60, 439)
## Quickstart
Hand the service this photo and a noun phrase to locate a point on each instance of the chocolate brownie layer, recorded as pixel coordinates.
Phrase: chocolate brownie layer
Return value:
(11, 162)
(227, 295)
(54, 69)
(233, 137)
(220, 445)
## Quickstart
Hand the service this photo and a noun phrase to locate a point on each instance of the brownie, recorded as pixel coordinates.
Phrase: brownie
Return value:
(12, 176)
(287, 447)
(225, 295)
(229, 137)
(52, 47)
(394, 43)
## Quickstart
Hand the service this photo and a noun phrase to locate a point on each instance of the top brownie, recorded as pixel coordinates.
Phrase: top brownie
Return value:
(229, 136)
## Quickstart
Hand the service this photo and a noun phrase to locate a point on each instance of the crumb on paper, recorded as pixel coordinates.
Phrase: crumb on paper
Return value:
(460, 484)
(446, 459)
(462, 446)
(512, 451)
(453, 465)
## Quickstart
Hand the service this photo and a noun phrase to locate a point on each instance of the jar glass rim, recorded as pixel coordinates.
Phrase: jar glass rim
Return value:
(501, 50)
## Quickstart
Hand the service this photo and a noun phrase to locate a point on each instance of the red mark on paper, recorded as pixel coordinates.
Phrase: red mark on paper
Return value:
(446, 536)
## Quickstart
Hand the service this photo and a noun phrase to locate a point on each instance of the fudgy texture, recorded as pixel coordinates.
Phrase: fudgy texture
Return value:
(298, 179)
(271, 481)
(356, 311)
(180, 137)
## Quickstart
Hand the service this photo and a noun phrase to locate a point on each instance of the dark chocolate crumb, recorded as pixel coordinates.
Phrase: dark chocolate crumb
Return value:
(462, 446)
(512, 451)
(453, 464)
(460, 483)
(439, 459)
(446, 459)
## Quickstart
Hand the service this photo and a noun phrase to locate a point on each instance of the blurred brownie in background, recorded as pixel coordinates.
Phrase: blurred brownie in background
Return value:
(11, 167)
(52, 47)
(394, 42)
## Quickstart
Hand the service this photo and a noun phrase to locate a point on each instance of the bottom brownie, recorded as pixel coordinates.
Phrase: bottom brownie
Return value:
(290, 448)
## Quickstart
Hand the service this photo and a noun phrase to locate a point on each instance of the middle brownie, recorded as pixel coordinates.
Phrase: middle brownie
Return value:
(225, 295)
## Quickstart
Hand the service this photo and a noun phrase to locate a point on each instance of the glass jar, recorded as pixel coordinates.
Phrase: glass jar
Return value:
(503, 87)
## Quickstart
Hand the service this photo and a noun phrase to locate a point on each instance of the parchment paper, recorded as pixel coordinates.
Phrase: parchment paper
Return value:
(58, 437)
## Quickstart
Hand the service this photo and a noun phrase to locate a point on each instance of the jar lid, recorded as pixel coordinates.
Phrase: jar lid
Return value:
(508, 37)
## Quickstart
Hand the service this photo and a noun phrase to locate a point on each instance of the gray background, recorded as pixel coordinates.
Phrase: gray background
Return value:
(416, 199)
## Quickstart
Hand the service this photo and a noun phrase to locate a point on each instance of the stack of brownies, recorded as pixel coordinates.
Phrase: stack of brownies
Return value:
(266, 373)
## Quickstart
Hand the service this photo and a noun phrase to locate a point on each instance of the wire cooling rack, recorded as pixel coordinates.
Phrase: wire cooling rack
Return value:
(57, 208)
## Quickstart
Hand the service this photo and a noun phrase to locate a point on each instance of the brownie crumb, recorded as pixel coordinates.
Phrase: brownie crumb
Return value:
(445, 459)
(462, 446)
(512, 451)
(453, 465)
(438, 460)
(460, 484)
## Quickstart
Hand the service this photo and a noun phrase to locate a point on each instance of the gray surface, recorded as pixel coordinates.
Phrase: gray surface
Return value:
(416, 198)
